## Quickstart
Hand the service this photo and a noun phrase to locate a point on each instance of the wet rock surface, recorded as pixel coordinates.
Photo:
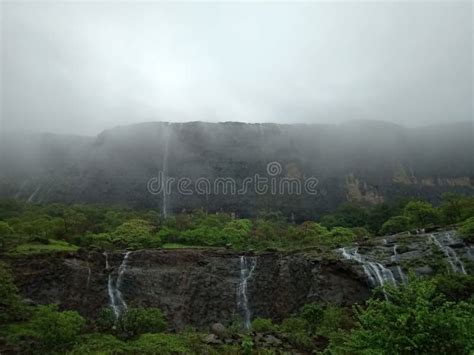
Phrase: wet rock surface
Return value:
(191, 286)
(202, 287)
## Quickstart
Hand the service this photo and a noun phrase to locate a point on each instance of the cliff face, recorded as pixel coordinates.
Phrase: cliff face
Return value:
(199, 287)
(191, 286)
(365, 162)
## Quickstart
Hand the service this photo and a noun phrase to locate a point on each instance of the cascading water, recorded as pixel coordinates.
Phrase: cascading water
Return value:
(32, 196)
(377, 274)
(165, 175)
(453, 260)
(116, 300)
(394, 258)
(89, 273)
(247, 267)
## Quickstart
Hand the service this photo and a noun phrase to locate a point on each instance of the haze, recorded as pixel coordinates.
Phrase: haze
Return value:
(81, 67)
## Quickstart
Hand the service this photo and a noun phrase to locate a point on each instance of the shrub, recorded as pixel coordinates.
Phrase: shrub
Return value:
(105, 321)
(415, 319)
(136, 321)
(313, 314)
(421, 213)
(296, 330)
(54, 329)
(262, 325)
(467, 230)
(163, 344)
(99, 344)
(12, 307)
(395, 225)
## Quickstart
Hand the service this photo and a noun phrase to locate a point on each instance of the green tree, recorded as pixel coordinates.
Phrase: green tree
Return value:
(6, 233)
(56, 330)
(395, 225)
(313, 314)
(12, 307)
(421, 213)
(467, 230)
(136, 321)
(135, 233)
(415, 319)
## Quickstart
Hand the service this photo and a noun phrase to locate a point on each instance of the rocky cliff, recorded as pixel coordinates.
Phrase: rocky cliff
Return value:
(365, 162)
(200, 287)
(195, 287)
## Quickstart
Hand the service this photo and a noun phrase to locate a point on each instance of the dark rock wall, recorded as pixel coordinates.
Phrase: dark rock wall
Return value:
(190, 286)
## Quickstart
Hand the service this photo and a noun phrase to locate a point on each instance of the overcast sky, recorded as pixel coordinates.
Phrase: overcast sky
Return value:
(81, 67)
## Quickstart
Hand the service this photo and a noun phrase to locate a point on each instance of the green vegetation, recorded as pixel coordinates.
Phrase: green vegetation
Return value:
(416, 319)
(29, 228)
(426, 316)
(38, 247)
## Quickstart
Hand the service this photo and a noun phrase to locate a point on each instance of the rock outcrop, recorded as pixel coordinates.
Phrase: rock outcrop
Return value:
(196, 287)
(202, 287)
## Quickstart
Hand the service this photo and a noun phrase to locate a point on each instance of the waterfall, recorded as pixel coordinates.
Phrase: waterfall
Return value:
(89, 272)
(165, 175)
(107, 266)
(32, 196)
(453, 260)
(377, 274)
(402, 275)
(116, 300)
(247, 266)
(394, 259)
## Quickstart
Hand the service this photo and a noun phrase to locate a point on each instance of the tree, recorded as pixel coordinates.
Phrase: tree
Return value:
(467, 230)
(451, 208)
(135, 233)
(12, 307)
(421, 213)
(136, 321)
(395, 225)
(6, 233)
(56, 330)
(415, 319)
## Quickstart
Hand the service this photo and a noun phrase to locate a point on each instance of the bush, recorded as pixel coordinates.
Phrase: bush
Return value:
(415, 319)
(395, 225)
(262, 325)
(313, 314)
(163, 344)
(421, 213)
(105, 321)
(296, 330)
(136, 321)
(12, 307)
(54, 329)
(99, 344)
(467, 230)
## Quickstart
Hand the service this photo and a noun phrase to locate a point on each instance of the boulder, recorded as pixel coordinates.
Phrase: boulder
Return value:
(272, 340)
(212, 339)
(219, 330)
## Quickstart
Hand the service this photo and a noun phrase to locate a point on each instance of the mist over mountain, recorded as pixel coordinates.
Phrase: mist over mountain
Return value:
(366, 162)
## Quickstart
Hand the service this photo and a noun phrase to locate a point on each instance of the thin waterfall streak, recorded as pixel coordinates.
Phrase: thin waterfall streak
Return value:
(246, 273)
(451, 256)
(165, 175)
(116, 300)
(376, 273)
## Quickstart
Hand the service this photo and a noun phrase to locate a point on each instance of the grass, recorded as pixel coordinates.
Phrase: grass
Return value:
(36, 248)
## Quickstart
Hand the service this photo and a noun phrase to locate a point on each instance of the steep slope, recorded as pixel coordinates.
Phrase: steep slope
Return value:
(367, 162)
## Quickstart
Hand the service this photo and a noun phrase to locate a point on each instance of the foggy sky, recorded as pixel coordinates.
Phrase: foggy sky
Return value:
(81, 67)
